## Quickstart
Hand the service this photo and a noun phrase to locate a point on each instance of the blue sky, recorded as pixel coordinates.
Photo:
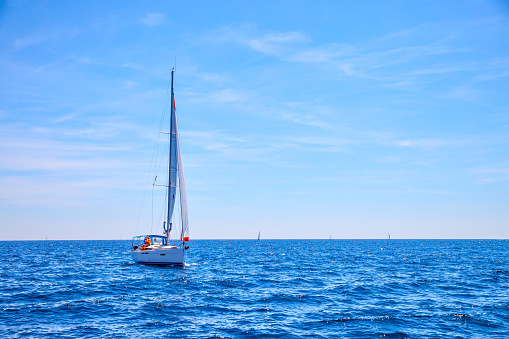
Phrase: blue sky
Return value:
(299, 119)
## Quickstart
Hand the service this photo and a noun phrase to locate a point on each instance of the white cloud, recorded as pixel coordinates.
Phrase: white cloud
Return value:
(64, 118)
(322, 54)
(438, 70)
(300, 118)
(29, 41)
(274, 43)
(224, 96)
(491, 175)
(350, 60)
(421, 143)
(154, 19)
(42, 36)
(465, 93)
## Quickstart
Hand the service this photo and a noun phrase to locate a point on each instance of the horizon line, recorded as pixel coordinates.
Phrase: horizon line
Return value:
(255, 239)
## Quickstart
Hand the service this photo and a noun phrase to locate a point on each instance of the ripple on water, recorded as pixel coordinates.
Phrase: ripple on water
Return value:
(251, 289)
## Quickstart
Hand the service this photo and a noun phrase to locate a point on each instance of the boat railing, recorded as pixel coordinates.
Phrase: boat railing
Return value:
(155, 242)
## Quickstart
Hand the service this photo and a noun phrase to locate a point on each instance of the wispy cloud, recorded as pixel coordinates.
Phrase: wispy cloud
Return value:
(400, 34)
(223, 147)
(440, 70)
(58, 191)
(422, 143)
(367, 57)
(275, 43)
(278, 44)
(213, 77)
(438, 192)
(313, 144)
(30, 154)
(303, 115)
(44, 36)
(386, 60)
(463, 92)
(223, 96)
(55, 169)
(154, 19)
(491, 175)
(64, 118)
(31, 40)
(323, 54)
(95, 61)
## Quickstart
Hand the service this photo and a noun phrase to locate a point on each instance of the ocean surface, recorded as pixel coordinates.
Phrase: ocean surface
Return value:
(251, 289)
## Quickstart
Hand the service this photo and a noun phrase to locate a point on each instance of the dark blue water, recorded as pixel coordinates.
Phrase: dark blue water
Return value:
(247, 289)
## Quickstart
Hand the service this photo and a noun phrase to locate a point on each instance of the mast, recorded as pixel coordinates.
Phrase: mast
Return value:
(170, 183)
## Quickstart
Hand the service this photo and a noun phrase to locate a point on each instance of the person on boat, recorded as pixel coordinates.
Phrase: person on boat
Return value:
(146, 244)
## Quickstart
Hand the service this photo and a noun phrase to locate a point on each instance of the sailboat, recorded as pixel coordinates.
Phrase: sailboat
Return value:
(258, 235)
(162, 249)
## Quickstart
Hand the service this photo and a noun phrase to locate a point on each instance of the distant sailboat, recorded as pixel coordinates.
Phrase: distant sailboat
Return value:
(158, 249)
(389, 238)
(258, 235)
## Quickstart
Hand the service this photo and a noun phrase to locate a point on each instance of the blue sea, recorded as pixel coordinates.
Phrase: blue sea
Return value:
(251, 289)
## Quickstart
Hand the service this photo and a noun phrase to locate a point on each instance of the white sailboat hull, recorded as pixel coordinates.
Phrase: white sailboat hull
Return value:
(160, 256)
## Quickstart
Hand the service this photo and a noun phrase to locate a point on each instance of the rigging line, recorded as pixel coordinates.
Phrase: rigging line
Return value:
(154, 153)
(143, 197)
(163, 210)
(165, 106)
(152, 221)
(149, 174)
(162, 158)
(161, 122)
(163, 117)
